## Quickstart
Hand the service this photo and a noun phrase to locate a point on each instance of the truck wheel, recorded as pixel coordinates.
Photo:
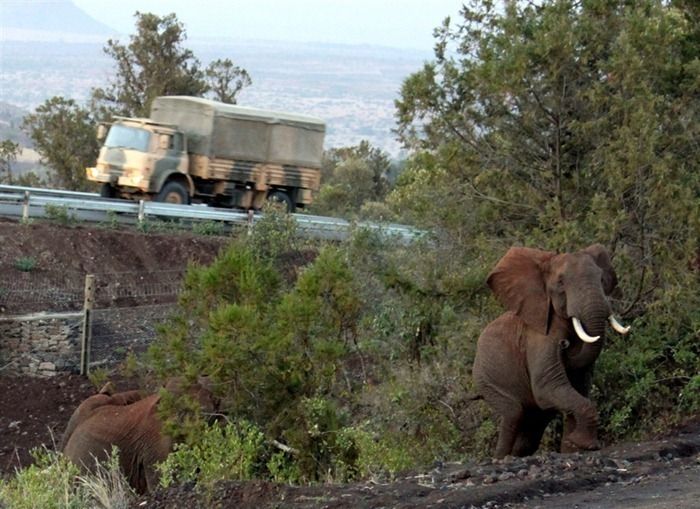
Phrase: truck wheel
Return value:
(281, 198)
(107, 191)
(174, 192)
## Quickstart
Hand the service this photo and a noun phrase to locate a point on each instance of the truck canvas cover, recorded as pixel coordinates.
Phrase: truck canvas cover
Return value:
(227, 131)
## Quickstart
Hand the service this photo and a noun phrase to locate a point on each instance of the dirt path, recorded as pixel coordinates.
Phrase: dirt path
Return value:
(662, 473)
(679, 487)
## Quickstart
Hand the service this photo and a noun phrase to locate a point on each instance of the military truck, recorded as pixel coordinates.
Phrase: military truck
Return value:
(197, 150)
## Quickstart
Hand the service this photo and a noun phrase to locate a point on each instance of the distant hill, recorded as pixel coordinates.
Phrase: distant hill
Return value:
(26, 19)
(11, 118)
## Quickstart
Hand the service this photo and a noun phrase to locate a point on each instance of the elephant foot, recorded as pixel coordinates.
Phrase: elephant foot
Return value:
(576, 442)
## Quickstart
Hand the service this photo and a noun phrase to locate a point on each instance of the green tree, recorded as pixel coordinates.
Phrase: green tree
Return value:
(9, 151)
(155, 63)
(64, 136)
(351, 177)
(225, 80)
(562, 123)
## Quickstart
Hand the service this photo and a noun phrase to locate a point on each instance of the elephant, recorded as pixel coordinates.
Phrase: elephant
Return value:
(128, 420)
(536, 359)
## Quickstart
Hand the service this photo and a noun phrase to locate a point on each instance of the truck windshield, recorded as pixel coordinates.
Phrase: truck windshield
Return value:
(128, 137)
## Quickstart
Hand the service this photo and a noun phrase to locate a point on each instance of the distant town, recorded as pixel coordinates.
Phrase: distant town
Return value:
(352, 88)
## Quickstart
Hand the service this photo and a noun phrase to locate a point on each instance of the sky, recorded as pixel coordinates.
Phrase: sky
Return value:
(395, 23)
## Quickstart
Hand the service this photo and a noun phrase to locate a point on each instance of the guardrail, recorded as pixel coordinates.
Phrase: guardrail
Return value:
(29, 202)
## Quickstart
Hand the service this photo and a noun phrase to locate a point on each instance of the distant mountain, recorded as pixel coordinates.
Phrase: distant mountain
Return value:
(31, 17)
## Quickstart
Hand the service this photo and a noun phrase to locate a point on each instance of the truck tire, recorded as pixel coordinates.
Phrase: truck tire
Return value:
(281, 198)
(107, 191)
(174, 192)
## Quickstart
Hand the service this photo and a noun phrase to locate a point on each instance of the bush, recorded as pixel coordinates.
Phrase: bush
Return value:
(235, 451)
(25, 264)
(53, 482)
(49, 483)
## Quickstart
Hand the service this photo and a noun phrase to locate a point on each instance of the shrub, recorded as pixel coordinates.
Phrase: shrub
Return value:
(107, 487)
(59, 214)
(49, 483)
(53, 482)
(234, 451)
(25, 264)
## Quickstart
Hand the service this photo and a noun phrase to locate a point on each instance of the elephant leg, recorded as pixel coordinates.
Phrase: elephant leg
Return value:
(511, 421)
(569, 425)
(553, 390)
(577, 407)
(528, 440)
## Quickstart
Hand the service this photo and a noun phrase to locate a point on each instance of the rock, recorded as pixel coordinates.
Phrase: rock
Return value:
(505, 476)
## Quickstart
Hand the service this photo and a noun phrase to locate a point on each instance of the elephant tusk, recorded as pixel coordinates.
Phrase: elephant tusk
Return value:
(618, 326)
(581, 333)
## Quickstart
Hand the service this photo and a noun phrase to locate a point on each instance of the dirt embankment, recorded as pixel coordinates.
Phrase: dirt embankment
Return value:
(660, 473)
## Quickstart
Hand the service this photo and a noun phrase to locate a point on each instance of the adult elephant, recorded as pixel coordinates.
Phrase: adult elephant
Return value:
(536, 359)
(128, 420)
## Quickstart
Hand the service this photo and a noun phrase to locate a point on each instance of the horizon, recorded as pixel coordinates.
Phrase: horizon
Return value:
(402, 24)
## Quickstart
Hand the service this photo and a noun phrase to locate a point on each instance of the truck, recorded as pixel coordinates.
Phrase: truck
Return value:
(194, 150)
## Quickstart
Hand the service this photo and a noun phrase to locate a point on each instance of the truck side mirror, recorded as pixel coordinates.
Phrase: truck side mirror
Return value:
(164, 141)
(101, 132)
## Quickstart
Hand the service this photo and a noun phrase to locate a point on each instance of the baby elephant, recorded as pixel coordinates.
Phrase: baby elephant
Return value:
(128, 420)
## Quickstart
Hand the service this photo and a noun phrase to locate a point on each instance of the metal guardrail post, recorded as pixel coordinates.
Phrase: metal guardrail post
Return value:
(249, 220)
(86, 343)
(25, 207)
(142, 211)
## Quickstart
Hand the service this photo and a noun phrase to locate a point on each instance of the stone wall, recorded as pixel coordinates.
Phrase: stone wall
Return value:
(40, 344)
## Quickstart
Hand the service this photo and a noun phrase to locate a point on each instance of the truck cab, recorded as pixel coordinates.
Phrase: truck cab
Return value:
(139, 158)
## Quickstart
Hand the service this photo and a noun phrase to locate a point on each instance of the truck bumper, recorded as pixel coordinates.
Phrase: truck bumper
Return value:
(95, 175)
(135, 182)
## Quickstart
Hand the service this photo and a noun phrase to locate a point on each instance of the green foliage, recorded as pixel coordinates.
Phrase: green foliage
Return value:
(155, 63)
(106, 487)
(652, 377)
(25, 264)
(235, 451)
(352, 176)
(160, 226)
(9, 151)
(49, 483)
(59, 214)
(53, 482)
(225, 80)
(553, 126)
(296, 356)
(564, 124)
(64, 135)
(208, 228)
(98, 377)
(274, 234)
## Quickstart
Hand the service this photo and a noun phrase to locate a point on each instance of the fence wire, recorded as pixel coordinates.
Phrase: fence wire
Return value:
(127, 306)
(117, 332)
(34, 291)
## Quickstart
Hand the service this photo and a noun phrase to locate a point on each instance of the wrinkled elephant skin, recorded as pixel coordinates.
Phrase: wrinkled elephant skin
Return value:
(536, 359)
(129, 421)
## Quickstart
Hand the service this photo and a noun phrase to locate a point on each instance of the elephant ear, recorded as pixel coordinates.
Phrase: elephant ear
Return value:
(518, 282)
(602, 258)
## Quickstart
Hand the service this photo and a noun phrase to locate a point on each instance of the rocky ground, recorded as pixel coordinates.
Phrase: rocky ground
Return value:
(662, 472)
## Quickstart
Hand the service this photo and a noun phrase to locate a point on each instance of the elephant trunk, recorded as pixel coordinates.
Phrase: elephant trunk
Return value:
(593, 316)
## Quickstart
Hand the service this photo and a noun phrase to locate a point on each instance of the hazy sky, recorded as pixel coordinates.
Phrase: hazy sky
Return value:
(397, 23)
